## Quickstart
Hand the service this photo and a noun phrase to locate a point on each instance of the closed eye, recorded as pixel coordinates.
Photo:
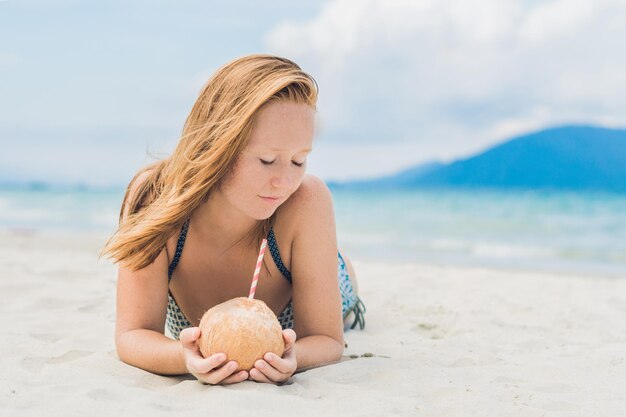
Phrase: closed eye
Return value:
(271, 162)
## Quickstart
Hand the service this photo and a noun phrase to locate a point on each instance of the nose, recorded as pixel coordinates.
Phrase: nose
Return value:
(282, 180)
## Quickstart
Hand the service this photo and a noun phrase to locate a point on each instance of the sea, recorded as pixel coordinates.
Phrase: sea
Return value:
(553, 231)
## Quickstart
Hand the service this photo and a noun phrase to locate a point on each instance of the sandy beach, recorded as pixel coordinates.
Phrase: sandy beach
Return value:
(439, 341)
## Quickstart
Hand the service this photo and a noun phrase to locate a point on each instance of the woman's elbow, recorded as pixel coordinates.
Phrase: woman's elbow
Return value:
(338, 350)
(120, 348)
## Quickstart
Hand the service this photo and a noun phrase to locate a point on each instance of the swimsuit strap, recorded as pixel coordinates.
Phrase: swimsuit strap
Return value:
(179, 249)
(271, 242)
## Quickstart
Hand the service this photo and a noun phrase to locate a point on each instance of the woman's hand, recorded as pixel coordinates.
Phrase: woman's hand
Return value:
(273, 369)
(205, 368)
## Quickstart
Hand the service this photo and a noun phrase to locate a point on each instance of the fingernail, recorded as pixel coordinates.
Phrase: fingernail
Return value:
(261, 365)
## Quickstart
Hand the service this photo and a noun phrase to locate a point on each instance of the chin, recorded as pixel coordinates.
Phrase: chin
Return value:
(262, 214)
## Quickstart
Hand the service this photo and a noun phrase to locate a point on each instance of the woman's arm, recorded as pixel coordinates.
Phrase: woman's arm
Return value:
(151, 351)
(317, 350)
(141, 302)
(277, 370)
(141, 307)
(318, 322)
(314, 268)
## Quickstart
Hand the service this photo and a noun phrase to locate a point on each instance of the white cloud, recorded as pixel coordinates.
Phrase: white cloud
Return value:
(556, 18)
(401, 82)
(449, 78)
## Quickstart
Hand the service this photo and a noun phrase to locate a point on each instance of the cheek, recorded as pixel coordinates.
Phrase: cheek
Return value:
(298, 182)
(237, 178)
(300, 177)
(249, 183)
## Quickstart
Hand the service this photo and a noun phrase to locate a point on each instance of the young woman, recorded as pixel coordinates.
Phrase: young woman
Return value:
(191, 226)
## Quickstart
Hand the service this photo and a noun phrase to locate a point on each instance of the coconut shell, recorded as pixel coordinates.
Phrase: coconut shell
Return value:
(245, 330)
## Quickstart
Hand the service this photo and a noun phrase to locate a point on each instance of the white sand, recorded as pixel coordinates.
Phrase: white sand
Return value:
(446, 342)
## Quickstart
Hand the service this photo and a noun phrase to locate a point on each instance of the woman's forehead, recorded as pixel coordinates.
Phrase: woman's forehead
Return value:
(284, 127)
(288, 146)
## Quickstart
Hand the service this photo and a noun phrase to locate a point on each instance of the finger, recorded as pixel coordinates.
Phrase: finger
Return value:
(284, 365)
(234, 378)
(216, 376)
(189, 336)
(201, 365)
(257, 376)
(269, 371)
(289, 336)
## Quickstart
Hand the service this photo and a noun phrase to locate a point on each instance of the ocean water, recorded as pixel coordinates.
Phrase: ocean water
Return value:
(533, 230)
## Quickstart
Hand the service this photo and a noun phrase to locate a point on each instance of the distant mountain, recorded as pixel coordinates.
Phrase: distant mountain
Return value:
(569, 157)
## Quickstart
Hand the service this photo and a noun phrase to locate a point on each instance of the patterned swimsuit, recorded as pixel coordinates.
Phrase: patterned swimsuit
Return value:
(350, 302)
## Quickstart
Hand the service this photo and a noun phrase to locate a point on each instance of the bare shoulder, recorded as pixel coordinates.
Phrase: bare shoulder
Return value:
(313, 194)
(132, 189)
(304, 209)
(312, 197)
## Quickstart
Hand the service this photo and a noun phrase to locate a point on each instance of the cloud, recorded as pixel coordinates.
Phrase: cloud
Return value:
(556, 18)
(400, 81)
(449, 78)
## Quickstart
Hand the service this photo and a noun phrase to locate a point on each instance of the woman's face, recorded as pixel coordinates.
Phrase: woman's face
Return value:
(272, 165)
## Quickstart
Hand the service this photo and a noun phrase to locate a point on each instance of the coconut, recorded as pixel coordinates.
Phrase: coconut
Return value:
(245, 330)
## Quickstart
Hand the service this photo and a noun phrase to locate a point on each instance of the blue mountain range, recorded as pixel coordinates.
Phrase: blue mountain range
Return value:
(566, 157)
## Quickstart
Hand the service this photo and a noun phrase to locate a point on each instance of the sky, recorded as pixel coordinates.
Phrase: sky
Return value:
(92, 91)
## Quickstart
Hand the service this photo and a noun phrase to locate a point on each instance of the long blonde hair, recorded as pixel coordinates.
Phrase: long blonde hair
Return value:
(217, 129)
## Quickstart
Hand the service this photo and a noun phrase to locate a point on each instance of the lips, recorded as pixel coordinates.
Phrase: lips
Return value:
(270, 199)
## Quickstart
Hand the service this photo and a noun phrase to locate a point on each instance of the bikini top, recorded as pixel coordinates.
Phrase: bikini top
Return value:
(271, 243)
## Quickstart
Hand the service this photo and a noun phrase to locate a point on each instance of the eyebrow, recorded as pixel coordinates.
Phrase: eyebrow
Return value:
(280, 150)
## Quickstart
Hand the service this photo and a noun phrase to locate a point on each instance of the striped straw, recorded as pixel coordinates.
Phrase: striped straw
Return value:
(257, 270)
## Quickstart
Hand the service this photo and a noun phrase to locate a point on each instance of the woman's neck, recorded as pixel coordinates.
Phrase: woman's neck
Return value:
(223, 224)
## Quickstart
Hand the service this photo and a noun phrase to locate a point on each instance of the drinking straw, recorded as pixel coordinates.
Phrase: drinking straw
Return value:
(257, 270)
